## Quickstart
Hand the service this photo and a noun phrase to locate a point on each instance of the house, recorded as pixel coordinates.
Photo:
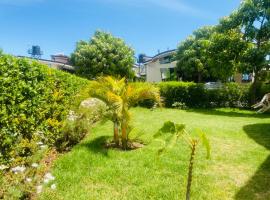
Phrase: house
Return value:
(61, 58)
(59, 61)
(159, 67)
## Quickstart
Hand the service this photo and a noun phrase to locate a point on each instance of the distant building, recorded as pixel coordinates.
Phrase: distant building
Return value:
(60, 62)
(159, 67)
(61, 58)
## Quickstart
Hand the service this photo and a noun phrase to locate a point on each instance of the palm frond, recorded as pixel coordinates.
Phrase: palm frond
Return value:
(205, 143)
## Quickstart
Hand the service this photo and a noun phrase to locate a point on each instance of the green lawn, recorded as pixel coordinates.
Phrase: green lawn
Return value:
(239, 167)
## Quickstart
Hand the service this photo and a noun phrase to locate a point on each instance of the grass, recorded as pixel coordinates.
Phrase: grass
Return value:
(239, 167)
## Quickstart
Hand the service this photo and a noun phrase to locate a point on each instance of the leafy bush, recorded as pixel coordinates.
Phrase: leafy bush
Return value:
(179, 105)
(33, 99)
(78, 123)
(174, 92)
(262, 89)
(196, 96)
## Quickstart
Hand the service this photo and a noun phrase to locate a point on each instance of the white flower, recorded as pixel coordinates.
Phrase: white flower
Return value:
(38, 133)
(46, 180)
(35, 165)
(28, 180)
(39, 143)
(48, 177)
(3, 167)
(43, 146)
(53, 186)
(72, 116)
(39, 189)
(18, 169)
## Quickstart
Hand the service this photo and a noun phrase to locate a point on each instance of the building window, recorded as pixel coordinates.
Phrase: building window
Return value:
(165, 60)
(167, 74)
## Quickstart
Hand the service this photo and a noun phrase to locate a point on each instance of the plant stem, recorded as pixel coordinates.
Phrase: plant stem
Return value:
(190, 170)
(124, 135)
(116, 135)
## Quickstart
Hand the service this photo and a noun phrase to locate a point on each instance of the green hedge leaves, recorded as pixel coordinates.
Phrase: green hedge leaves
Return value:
(34, 99)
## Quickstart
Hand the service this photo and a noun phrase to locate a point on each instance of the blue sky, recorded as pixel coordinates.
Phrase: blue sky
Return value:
(146, 25)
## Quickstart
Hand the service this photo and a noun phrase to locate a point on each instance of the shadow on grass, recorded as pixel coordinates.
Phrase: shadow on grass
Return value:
(258, 187)
(231, 113)
(97, 145)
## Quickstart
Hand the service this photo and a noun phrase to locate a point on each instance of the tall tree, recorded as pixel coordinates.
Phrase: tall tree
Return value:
(192, 55)
(104, 54)
(252, 17)
(225, 53)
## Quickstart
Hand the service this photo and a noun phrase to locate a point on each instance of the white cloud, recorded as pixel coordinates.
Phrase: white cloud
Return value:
(19, 2)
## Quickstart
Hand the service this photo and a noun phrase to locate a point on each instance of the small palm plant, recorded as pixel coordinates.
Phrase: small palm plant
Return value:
(119, 97)
(178, 131)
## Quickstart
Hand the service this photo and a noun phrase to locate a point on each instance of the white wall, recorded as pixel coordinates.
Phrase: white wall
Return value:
(153, 73)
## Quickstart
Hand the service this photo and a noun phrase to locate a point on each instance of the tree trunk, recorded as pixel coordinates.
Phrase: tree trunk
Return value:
(199, 77)
(124, 135)
(254, 88)
(116, 133)
(190, 170)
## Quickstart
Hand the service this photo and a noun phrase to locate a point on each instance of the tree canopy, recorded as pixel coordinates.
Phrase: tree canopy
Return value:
(252, 18)
(225, 53)
(104, 54)
(192, 60)
(239, 43)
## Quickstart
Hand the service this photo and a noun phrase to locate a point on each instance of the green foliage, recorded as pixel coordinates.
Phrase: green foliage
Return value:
(34, 99)
(239, 43)
(119, 96)
(177, 131)
(192, 56)
(225, 53)
(78, 124)
(205, 143)
(104, 54)
(174, 92)
(196, 96)
(211, 54)
(168, 127)
(252, 18)
(179, 105)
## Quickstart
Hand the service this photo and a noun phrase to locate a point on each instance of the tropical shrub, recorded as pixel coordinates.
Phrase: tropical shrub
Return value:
(177, 131)
(35, 101)
(119, 96)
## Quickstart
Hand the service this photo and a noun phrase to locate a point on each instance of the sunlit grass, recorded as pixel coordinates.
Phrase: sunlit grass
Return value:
(238, 169)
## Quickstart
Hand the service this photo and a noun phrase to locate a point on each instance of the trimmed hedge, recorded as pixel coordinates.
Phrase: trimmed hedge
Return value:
(195, 95)
(34, 99)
